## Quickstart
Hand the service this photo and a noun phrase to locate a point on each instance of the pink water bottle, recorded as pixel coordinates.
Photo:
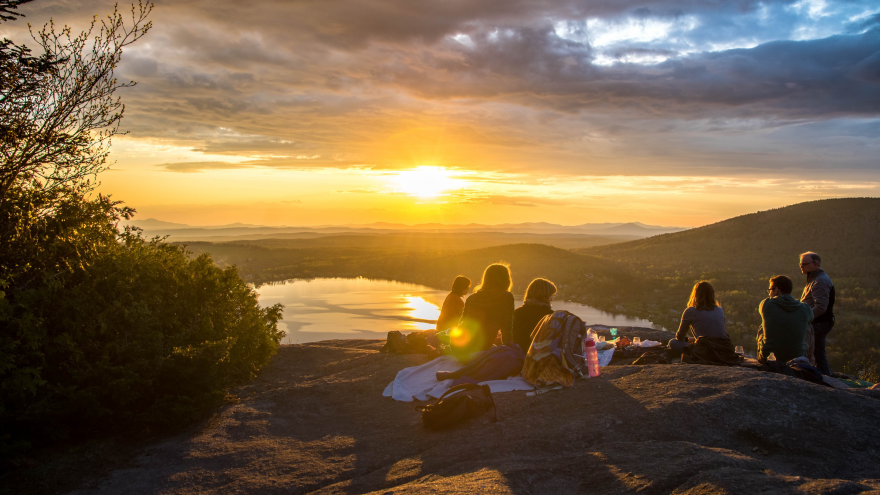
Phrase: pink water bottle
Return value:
(591, 356)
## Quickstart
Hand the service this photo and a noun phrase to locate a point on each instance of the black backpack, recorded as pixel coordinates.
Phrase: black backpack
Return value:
(396, 344)
(459, 403)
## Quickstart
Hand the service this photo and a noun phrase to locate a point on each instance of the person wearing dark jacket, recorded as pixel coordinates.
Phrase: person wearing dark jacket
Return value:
(784, 323)
(535, 307)
(819, 295)
(486, 312)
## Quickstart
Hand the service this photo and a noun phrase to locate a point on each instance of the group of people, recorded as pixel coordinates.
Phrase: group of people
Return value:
(790, 328)
(474, 325)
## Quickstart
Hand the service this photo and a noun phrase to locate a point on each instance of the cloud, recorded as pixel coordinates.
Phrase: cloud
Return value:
(526, 201)
(816, 78)
(516, 86)
(193, 167)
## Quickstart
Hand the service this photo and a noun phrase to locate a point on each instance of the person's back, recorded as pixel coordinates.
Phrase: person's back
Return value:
(785, 322)
(453, 305)
(703, 318)
(525, 319)
(702, 323)
(486, 312)
(536, 305)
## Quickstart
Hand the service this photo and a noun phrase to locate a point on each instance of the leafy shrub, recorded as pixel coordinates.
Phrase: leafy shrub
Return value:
(106, 330)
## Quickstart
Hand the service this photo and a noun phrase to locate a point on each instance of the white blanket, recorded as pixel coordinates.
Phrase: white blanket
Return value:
(420, 382)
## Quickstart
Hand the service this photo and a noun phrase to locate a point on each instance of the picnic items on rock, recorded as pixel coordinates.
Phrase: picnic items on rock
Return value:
(420, 382)
(426, 342)
(604, 346)
(591, 356)
(711, 350)
(497, 363)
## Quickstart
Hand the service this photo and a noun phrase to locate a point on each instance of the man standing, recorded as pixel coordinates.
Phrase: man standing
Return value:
(784, 322)
(818, 295)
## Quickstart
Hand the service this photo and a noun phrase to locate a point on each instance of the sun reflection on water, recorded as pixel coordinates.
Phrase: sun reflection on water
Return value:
(419, 308)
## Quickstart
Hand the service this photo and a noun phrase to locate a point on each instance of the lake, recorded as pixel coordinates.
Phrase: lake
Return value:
(360, 308)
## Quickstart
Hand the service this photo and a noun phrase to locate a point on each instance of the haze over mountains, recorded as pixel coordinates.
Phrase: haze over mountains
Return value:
(241, 231)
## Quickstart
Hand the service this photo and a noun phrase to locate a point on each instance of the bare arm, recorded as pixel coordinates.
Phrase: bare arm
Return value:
(683, 328)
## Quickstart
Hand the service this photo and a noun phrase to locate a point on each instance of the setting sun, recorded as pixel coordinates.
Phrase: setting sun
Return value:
(427, 182)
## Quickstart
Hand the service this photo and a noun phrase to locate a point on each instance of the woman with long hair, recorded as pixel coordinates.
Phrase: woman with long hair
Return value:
(702, 318)
(536, 306)
(486, 312)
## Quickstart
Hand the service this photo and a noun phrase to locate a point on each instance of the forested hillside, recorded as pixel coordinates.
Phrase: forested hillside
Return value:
(265, 260)
(430, 267)
(649, 278)
(739, 255)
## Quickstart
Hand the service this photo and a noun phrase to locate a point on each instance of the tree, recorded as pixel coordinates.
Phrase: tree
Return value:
(59, 109)
(21, 75)
(99, 329)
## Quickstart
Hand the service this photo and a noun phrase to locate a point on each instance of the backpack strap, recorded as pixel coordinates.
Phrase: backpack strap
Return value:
(456, 389)
(472, 386)
(460, 387)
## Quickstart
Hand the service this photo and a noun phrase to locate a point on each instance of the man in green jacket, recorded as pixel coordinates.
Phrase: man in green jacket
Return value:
(785, 322)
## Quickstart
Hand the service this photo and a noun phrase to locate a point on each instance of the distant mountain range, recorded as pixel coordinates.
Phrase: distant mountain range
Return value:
(179, 231)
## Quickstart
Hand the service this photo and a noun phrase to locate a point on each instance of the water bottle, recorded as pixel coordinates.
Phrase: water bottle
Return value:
(591, 357)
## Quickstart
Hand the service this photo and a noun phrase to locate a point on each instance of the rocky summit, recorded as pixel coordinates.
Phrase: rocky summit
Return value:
(315, 421)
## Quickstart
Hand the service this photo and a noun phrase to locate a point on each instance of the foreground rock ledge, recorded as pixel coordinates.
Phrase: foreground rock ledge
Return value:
(315, 421)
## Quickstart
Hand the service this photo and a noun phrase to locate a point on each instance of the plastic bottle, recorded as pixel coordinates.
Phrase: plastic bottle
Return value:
(591, 357)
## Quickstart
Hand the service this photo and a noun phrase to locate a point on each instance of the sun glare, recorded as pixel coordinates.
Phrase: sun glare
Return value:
(422, 309)
(426, 181)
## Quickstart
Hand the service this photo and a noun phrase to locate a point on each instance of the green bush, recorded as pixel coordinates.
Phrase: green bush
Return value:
(104, 330)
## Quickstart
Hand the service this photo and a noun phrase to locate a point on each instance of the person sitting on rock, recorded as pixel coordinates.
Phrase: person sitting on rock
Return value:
(703, 318)
(784, 322)
(453, 305)
(535, 307)
(486, 312)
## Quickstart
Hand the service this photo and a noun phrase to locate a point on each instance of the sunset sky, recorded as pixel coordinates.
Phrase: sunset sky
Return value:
(295, 112)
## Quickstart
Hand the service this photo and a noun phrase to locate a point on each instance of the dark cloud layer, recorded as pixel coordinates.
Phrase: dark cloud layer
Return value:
(568, 83)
